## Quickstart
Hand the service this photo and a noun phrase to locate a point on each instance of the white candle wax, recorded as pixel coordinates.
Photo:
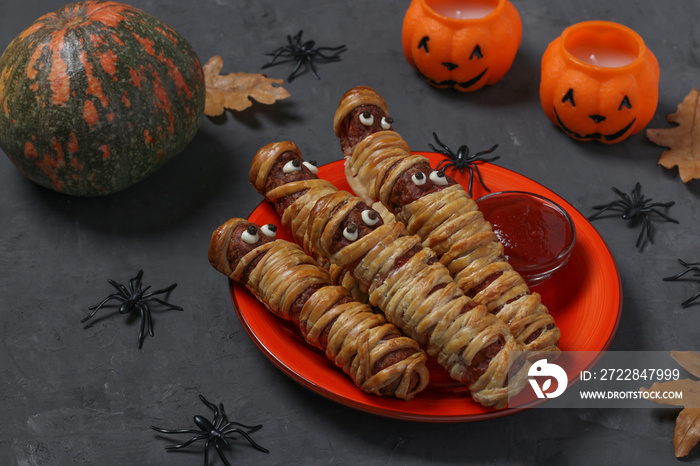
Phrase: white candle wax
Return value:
(601, 56)
(464, 9)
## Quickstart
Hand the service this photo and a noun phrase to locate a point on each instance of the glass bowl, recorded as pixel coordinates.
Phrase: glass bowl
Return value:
(538, 235)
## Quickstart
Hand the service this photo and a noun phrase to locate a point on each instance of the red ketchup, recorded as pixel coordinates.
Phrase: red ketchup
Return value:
(537, 234)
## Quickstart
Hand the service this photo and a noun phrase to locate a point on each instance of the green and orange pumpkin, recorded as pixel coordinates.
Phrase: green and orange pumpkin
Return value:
(97, 96)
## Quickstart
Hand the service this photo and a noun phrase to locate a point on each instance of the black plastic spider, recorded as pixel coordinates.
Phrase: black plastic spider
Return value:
(303, 53)
(219, 430)
(135, 297)
(689, 267)
(462, 160)
(634, 205)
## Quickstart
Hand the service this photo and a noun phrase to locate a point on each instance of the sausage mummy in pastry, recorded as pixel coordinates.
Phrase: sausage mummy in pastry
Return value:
(281, 175)
(376, 355)
(416, 293)
(380, 167)
(472, 344)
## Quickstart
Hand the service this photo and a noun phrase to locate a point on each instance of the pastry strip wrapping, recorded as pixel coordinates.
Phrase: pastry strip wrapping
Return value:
(304, 188)
(447, 220)
(288, 282)
(402, 278)
(418, 295)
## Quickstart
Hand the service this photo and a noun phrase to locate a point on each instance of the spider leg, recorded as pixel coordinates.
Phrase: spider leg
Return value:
(208, 403)
(646, 228)
(441, 144)
(624, 196)
(233, 423)
(96, 307)
(692, 265)
(296, 39)
(145, 317)
(116, 296)
(471, 179)
(492, 159)
(300, 61)
(150, 297)
(637, 191)
(488, 151)
(161, 291)
(249, 439)
(187, 443)
(135, 283)
(219, 413)
(170, 306)
(141, 333)
(604, 207)
(690, 300)
(275, 55)
(481, 180)
(445, 161)
(333, 57)
(460, 166)
(147, 312)
(313, 68)
(659, 204)
(119, 287)
(220, 451)
(689, 268)
(176, 431)
(658, 212)
(220, 417)
(206, 452)
(678, 275)
(338, 49)
(141, 293)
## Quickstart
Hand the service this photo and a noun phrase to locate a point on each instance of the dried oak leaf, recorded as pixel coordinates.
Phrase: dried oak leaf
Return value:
(235, 90)
(687, 432)
(689, 360)
(682, 140)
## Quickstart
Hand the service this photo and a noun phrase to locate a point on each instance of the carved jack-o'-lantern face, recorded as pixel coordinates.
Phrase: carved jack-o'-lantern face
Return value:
(606, 111)
(464, 54)
(589, 101)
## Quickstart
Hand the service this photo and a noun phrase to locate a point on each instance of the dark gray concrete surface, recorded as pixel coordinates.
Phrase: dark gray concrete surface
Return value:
(74, 394)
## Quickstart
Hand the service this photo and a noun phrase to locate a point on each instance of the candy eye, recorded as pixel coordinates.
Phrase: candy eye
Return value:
(292, 166)
(370, 217)
(386, 123)
(311, 165)
(269, 230)
(419, 179)
(367, 119)
(351, 232)
(250, 236)
(438, 177)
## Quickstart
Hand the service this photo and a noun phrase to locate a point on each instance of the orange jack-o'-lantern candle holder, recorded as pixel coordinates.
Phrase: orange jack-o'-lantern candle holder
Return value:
(599, 82)
(461, 44)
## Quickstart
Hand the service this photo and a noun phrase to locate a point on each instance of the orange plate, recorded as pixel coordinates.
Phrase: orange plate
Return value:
(584, 298)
